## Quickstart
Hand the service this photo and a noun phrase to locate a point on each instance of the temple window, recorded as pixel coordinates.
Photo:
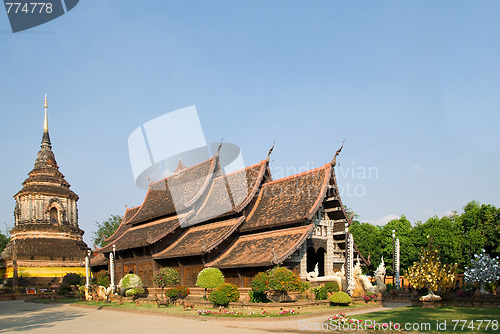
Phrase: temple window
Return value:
(53, 216)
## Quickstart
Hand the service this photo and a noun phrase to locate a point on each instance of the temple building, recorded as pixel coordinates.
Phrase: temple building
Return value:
(242, 223)
(46, 242)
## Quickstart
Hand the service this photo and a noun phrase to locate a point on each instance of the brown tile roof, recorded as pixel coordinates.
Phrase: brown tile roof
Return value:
(292, 199)
(231, 192)
(200, 239)
(129, 213)
(176, 192)
(263, 249)
(146, 234)
(99, 260)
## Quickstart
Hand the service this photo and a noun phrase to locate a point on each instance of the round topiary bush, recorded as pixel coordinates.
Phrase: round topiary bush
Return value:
(131, 281)
(219, 298)
(231, 291)
(260, 282)
(340, 298)
(210, 278)
(332, 287)
(133, 292)
(282, 279)
(166, 277)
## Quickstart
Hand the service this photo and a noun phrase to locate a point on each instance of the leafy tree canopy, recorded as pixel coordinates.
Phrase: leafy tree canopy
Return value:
(106, 229)
(458, 237)
(4, 240)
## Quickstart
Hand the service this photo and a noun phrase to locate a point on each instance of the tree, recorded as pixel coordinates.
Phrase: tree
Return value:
(210, 278)
(428, 272)
(482, 269)
(166, 277)
(283, 279)
(368, 239)
(446, 235)
(4, 240)
(480, 225)
(408, 251)
(106, 229)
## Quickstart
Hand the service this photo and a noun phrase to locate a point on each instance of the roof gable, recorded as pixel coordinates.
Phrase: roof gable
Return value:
(289, 200)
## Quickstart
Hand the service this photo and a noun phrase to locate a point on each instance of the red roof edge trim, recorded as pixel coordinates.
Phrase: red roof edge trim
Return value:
(256, 187)
(209, 177)
(226, 235)
(179, 223)
(299, 243)
(295, 175)
(123, 222)
(349, 221)
(322, 194)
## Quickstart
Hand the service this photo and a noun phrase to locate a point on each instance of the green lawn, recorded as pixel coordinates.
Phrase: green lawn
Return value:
(59, 300)
(257, 312)
(449, 319)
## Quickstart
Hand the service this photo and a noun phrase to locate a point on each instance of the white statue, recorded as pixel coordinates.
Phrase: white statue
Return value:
(380, 278)
(313, 274)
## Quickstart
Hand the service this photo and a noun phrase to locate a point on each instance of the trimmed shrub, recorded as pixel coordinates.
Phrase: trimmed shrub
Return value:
(183, 291)
(260, 282)
(219, 298)
(131, 281)
(231, 291)
(320, 292)
(340, 298)
(332, 287)
(63, 291)
(258, 296)
(166, 277)
(304, 286)
(72, 279)
(102, 278)
(179, 292)
(210, 278)
(282, 279)
(133, 292)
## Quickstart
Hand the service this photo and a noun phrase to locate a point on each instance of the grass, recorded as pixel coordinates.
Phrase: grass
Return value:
(58, 300)
(213, 312)
(449, 319)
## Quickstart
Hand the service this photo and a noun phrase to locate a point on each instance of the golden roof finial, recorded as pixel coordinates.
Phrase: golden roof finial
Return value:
(46, 122)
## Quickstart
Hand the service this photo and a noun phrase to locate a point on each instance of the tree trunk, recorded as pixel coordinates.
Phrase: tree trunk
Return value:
(481, 287)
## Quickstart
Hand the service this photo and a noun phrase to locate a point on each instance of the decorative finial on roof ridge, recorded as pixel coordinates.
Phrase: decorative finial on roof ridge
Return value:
(46, 137)
(271, 150)
(45, 122)
(126, 207)
(334, 160)
(220, 145)
(180, 166)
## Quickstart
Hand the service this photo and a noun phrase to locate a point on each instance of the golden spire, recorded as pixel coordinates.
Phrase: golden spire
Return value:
(46, 122)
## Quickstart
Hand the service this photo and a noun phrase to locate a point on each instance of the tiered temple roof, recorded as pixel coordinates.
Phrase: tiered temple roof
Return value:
(201, 239)
(263, 249)
(293, 199)
(251, 219)
(176, 192)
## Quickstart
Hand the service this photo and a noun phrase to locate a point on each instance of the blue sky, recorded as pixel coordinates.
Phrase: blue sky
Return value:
(411, 86)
